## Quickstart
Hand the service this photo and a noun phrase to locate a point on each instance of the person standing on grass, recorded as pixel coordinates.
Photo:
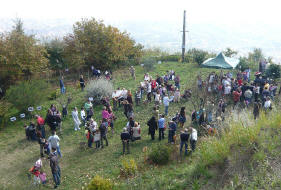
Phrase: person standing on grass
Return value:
(90, 138)
(166, 102)
(172, 131)
(55, 168)
(54, 143)
(177, 81)
(83, 116)
(41, 142)
(76, 119)
(97, 138)
(256, 111)
(136, 132)
(62, 88)
(125, 137)
(236, 96)
(152, 124)
(40, 125)
(104, 113)
(82, 82)
(103, 132)
(182, 117)
(161, 125)
(193, 138)
(184, 140)
(132, 71)
(88, 105)
(138, 97)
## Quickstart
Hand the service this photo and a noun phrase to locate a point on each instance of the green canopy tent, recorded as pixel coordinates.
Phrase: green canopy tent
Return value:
(221, 62)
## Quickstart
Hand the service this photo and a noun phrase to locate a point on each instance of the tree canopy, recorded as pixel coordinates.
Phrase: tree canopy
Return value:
(94, 43)
(20, 55)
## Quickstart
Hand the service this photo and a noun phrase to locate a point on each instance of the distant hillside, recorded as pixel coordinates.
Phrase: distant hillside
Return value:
(167, 34)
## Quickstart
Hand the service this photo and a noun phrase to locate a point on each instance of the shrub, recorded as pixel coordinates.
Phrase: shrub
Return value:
(243, 64)
(273, 71)
(26, 94)
(199, 56)
(99, 183)
(54, 94)
(160, 154)
(128, 168)
(99, 89)
(149, 64)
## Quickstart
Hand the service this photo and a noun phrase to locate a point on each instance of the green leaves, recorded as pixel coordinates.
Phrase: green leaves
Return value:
(105, 47)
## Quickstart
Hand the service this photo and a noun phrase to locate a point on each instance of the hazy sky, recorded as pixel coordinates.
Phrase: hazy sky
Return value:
(219, 11)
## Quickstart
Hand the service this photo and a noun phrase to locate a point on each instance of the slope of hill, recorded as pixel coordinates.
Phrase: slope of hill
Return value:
(245, 156)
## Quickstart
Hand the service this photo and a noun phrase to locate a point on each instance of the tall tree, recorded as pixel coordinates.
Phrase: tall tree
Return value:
(94, 43)
(230, 52)
(20, 55)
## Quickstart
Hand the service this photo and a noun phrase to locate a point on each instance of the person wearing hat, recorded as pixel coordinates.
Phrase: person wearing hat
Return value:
(125, 137)
(184, 136)
(172, 131)
(193, 138)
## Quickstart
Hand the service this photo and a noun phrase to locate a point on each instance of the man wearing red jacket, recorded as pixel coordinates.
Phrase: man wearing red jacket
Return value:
(236, 96)
(40, 125)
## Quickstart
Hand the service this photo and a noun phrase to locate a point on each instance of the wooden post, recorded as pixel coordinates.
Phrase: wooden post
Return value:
(183, 38)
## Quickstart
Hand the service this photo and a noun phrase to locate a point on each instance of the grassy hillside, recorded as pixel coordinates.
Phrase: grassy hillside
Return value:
(212, 166)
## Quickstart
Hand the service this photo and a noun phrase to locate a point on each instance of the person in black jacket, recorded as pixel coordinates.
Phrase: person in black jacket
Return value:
(103, 131)
(125, 137)
(82, 83)
(184, 139)
(152, 124)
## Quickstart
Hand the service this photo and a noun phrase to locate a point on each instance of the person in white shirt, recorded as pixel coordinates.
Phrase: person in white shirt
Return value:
(54, 142)
(157, 98)
(93, 125)
(267, 103)
(149, 91)
(83, 116)
(166, 102)
(227, 89)
(193, 138)
(76, 119)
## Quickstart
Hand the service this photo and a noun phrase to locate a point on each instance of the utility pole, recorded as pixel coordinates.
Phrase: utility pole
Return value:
(183, 38)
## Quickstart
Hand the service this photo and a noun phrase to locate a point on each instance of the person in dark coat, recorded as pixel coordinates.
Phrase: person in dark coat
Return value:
(103, 132)
(82, 82)
(152, 124)
(184, 136)
(256, 111)
(125, 137)
(54, 164)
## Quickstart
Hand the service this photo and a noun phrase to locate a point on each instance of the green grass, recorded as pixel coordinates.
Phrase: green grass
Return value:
(80, 165)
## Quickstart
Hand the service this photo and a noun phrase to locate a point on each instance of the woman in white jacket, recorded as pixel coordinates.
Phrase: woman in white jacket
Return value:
(75, 118)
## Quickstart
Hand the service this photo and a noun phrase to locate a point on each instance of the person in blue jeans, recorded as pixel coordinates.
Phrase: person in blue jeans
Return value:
(54, 164)
(62, 88)
(184, 140)
(166, 102)
(161, 126)
(172, 131)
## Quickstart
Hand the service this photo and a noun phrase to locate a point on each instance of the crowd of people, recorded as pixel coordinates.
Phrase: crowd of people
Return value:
(238, 90)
